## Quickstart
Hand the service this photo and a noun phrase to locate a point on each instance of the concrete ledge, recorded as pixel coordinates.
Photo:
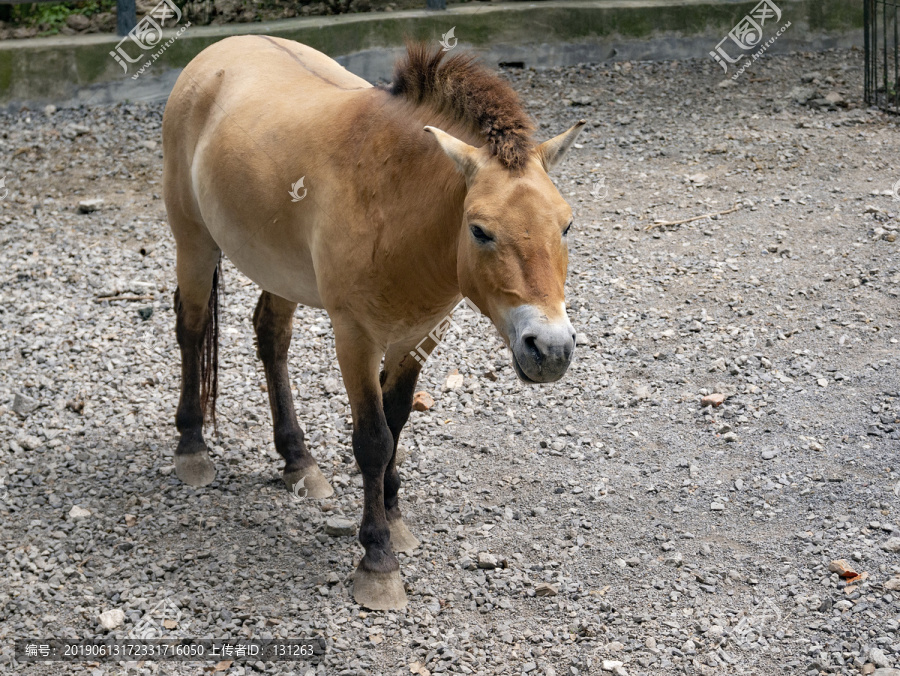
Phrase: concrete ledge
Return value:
(79, 69)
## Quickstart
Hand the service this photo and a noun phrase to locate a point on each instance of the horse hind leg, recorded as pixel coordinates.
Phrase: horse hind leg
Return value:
(196, 328)
(273, 322)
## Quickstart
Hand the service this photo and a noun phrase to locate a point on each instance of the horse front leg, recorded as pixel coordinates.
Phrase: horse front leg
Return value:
(376, 583)
(398, 384)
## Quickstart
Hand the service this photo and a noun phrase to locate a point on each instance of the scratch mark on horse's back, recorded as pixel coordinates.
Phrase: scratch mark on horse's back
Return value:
(297, 58)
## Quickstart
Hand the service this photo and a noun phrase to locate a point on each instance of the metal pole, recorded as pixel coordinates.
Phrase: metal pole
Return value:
(884, 46)
(896, 83)
(126, 16)
(867, 37)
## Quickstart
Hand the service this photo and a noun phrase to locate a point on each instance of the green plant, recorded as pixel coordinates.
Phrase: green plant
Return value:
(50, 17)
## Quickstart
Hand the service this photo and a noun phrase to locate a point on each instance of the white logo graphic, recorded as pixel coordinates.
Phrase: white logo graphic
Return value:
(448, 40)
(147, 33)
(438, 333)
(163, 619)
(748, 631)
(294, 191)
(895, 191)
(600, 191)
(6, 190)
(748, 32)
(749, 340)
(296, 488)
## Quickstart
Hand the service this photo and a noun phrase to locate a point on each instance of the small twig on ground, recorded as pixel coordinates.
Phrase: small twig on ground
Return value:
(103, 298)
(660, 223)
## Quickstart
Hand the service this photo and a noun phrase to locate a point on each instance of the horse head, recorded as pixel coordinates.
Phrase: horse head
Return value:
(513, 251)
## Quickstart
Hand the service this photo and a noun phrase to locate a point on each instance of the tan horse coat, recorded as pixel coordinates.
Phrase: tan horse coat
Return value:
(392, 225)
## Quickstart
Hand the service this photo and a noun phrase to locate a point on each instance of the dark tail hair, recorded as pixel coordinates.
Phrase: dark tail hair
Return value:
(209, 355)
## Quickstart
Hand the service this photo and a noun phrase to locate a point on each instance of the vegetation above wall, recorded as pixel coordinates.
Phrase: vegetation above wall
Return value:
(99, 16)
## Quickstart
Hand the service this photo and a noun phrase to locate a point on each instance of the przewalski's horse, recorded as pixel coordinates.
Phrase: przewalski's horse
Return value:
(416, 195)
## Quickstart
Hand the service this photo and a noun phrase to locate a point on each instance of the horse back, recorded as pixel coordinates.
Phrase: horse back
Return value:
(243, 125)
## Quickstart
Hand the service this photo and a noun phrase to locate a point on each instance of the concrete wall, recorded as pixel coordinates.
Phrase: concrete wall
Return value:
(79, 69)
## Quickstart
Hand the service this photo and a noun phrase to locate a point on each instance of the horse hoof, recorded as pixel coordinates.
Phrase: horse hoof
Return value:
(379, 591)
(308, 482)
(195, 469)
(402, 540)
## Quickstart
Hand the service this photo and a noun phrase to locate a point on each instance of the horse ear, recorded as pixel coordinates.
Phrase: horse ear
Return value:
(551, 152)
(464, 156)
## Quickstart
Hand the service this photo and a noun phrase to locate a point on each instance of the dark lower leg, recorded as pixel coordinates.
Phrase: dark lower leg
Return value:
(273, 322)
(192, 463)
(397, 402)
(376, 583)
(190, 327)
(372, 446)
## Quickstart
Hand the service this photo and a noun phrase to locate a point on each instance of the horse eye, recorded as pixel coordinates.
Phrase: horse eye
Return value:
(480, 235)
(566, 231)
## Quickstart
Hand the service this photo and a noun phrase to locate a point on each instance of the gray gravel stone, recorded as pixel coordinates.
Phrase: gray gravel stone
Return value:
(337, 526)
(891, 545)
(78, 512)
(593, 487)
(89, 206)
(112, 619)
(23, 405)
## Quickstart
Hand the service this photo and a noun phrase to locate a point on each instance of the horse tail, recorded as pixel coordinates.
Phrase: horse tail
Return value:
(209, 354)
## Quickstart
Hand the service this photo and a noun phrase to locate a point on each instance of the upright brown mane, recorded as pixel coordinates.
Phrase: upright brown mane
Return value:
(472, 94)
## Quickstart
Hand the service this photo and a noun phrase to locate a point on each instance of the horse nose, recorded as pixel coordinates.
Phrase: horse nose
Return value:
(544, 350)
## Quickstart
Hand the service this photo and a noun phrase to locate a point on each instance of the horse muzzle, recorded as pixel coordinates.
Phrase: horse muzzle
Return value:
(542, 349)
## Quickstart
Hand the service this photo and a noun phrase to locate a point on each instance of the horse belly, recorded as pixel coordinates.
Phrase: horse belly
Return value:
(280, 265)
(254, 146)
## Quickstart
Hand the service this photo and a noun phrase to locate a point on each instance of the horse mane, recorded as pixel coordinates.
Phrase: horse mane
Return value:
(471, 94)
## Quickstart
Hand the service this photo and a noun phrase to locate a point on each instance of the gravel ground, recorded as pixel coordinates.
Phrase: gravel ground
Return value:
(606, 524)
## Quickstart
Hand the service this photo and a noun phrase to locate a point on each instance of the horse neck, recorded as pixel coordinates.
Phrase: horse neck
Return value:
(431, 200)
